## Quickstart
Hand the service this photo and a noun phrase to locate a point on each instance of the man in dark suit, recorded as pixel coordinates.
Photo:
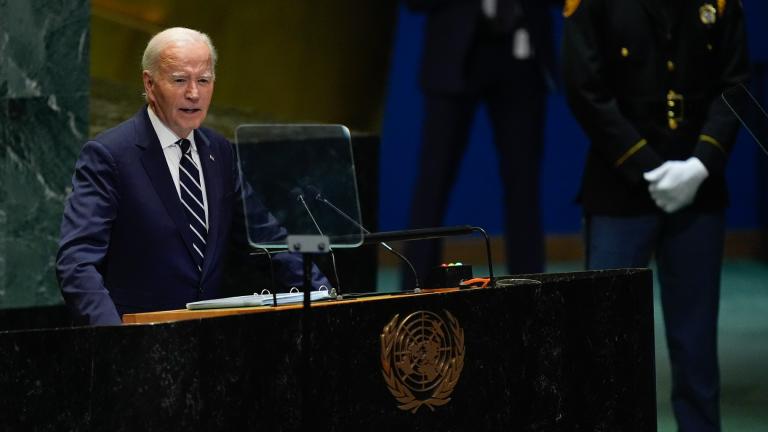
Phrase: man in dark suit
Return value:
(156, 201)
(644, 79)
(499, 53)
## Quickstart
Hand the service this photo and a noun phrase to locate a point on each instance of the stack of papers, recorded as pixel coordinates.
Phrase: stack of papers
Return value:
(257, 300)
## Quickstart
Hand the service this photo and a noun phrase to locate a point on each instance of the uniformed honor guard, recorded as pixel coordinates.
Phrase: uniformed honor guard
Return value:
(499, 54)
(644, 78)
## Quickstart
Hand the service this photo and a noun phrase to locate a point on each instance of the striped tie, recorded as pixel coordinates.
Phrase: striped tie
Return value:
(192, 198)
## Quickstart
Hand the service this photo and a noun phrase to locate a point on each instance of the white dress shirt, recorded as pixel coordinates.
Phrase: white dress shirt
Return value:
(173, 154)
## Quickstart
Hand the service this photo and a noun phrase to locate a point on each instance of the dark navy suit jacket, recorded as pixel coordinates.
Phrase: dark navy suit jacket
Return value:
(125, 246)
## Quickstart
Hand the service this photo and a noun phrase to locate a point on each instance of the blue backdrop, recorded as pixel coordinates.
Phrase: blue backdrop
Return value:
(476, 198)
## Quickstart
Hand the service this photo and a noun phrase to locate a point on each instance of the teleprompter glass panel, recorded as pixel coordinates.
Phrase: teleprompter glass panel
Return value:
(749, 112)
(298, 180)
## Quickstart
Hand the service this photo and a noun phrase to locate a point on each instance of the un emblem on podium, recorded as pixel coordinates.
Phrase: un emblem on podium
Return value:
(421, 358)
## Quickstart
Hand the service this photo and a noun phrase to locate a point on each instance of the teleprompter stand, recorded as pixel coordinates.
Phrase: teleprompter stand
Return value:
(307, 245)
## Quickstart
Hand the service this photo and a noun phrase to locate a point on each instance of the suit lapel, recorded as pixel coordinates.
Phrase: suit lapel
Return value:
(213, 192)
(153, 160)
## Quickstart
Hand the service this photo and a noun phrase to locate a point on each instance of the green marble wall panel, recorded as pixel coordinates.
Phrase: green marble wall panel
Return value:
(44, 82)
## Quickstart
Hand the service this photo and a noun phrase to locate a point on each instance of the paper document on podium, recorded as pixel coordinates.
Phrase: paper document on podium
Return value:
(257, 300)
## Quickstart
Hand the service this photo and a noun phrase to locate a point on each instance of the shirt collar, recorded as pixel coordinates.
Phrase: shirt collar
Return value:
(166, 136)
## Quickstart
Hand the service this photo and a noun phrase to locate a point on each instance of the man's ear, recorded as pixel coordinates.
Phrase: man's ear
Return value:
(148, 83)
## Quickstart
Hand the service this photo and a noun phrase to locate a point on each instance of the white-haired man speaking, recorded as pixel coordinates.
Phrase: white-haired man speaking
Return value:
(156, 200)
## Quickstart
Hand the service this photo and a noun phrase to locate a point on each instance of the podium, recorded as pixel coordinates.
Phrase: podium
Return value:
(574, 352)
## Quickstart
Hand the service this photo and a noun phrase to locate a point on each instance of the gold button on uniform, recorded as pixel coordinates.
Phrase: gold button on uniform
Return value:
(670, 65)
(624, 52)
(674, 109)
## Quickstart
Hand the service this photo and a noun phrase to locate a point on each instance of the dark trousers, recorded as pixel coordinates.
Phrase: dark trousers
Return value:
(516, 106)
(689, 249)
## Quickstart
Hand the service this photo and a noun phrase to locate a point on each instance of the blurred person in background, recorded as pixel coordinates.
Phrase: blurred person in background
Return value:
(498, 53)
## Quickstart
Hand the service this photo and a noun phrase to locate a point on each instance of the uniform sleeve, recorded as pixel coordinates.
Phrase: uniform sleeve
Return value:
(719, 131)
(592, 102)
(85, 231)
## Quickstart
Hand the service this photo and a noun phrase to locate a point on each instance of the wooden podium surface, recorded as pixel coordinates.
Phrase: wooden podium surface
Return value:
(185, 314)
(572, 353)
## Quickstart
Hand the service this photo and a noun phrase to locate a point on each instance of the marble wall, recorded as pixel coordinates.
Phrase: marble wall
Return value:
(44, 90)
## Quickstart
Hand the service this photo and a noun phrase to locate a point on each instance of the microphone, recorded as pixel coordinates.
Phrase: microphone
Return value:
(315, 192)
(299, 194)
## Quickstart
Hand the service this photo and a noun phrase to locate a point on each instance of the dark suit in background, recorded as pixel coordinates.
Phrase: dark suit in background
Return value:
(124, 243)
(468, 60)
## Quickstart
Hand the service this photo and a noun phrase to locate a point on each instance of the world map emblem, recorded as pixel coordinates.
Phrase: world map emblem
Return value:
(422, 357)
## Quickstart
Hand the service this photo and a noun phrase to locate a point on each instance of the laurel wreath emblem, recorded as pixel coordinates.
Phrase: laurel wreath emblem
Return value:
(440, 395)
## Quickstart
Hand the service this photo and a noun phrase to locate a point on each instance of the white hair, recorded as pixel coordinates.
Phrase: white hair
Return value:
(150, 61)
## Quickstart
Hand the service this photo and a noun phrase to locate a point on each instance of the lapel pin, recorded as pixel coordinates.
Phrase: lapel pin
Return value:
(211, 156)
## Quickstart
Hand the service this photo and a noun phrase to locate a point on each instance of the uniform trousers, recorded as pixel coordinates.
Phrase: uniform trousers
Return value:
(688, 248)
(515, 98)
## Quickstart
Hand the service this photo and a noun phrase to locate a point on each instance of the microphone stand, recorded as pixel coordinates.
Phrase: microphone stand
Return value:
(300, 198)
(341, 213)
(431, 233)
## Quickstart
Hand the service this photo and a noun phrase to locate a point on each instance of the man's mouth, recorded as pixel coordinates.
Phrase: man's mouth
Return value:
(190, 110)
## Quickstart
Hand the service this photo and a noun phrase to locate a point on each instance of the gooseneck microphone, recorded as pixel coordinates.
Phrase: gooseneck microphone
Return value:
(317, 195)
(299, 194)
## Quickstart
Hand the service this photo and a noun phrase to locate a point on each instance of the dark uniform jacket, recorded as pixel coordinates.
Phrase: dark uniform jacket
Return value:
(451, 28)
(644, 78)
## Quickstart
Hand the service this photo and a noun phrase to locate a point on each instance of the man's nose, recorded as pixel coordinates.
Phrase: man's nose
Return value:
(192, 91)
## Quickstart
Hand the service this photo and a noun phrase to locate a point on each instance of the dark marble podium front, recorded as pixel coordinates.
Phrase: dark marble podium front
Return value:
(574, 353)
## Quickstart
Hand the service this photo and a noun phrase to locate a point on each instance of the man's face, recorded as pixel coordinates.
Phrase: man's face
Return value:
(181, 90)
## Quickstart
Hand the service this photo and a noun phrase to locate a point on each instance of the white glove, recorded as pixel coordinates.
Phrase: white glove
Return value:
(673, 184)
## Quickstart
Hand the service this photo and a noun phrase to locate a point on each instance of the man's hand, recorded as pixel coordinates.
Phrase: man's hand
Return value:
(673, 184)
